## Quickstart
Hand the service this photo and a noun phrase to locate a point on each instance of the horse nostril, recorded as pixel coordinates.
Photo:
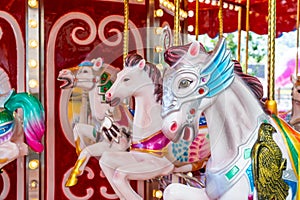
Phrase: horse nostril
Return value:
(108, 95)
(173, 127)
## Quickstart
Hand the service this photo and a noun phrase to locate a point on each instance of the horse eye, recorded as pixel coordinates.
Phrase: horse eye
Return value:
(126, 79)
(185, 83)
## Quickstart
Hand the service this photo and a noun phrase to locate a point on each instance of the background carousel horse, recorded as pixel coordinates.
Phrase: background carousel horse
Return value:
(295, 115)
(12, 143)
(151, 153)
(94, 78)
(245, 160)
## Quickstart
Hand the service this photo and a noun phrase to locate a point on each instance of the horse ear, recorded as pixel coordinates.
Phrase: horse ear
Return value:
(142, 64)
(194, 49)
(97, 63)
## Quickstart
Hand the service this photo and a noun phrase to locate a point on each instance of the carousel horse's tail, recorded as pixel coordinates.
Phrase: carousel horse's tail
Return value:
(34, 117)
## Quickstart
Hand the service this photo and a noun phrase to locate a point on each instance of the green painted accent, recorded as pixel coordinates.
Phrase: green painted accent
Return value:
(104, 77)
(247, 153)
(6, 116)
(290, 144)
(229, 175)
(94, 133)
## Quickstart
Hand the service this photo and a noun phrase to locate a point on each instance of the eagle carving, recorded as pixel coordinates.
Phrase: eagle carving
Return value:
(268, 166)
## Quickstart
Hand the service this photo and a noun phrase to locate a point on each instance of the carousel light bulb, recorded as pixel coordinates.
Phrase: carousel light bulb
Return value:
(34, 164)
(165, 4)
(157, 194)
(33, 83)
(231, 7)
(236, 8)
(191, 13)
(32, 63)
(190, 28)
(207, 1)
(33, 3)
(33, 184)
(225, 5)
(32, 23)
(158, 13)
(190, 1)
(33, 43)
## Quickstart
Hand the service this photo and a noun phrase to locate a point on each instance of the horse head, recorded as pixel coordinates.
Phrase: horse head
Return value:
(195, 76)
(83, 75)
(131, 81)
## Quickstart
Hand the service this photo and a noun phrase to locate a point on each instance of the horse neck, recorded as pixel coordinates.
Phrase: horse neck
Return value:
(147, 119)
(231, 119)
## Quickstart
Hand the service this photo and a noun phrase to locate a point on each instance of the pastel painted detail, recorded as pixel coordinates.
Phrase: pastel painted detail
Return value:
(292, 138)
(155, 143)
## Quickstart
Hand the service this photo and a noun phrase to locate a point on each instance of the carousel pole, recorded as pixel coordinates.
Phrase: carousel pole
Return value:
(126, 37)
(176, 22)
(247, 34)
(239, 34)
(220, 16)
(271, 104)
(197, 20)
(297, 54)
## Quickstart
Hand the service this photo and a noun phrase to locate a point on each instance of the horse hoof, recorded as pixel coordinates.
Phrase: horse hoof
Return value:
(72, 180)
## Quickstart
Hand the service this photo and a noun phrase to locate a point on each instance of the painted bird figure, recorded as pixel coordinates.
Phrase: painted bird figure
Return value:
(268, 165)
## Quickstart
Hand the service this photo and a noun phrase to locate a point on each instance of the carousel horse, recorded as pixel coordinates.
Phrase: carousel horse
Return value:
(94, 78)
(13, 125)
(254, 155)
(295, 115)
(151, 153)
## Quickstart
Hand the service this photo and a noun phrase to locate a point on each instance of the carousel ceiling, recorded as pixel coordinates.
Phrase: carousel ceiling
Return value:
(286, 15)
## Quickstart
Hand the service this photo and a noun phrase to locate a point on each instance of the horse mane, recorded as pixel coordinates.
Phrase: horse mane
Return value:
(252, 82)
(174, 54)
(152, 71)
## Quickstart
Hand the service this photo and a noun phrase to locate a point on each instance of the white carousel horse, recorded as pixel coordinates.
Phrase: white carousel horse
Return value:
(151, 154)
(12, 143)
(245, 161)
(295, 115)
(94, 79)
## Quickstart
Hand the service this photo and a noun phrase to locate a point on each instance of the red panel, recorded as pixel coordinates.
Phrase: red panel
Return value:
(8, 61)
(69, 54)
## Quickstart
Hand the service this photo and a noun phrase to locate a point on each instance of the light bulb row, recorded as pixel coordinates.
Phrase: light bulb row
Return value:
(33, 46)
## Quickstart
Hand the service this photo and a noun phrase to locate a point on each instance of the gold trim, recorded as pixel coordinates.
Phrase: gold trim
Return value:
(3, 160)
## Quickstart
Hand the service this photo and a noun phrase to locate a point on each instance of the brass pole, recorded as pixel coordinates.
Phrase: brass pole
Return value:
(220, 16)
(271, 103)
(126, 37)
(176, 22)
(297, 54)
(197, 20)
(247, 34)
(239, 34)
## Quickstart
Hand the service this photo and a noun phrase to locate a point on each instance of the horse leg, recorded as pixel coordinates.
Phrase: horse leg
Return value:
(177, 191)
(94, 150)
(82, 132)
(144, 166)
